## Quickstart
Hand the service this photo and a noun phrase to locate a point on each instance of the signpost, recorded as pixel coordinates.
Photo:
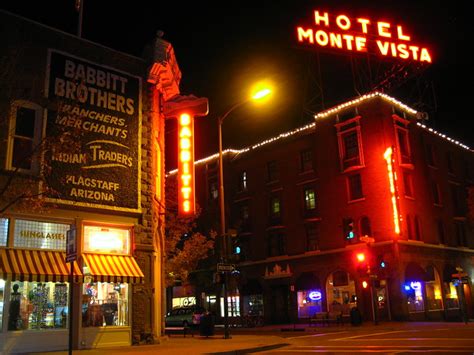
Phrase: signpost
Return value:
(461, 278)
(71, 257)
(225, 267)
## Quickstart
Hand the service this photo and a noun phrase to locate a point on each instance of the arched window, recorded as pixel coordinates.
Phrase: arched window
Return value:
(340, 292)
(434, 298)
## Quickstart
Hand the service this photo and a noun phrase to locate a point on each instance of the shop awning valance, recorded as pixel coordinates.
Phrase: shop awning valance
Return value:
(113, 268)
(36, 265)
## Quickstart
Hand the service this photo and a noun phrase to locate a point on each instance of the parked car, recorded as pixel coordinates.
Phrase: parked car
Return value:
(184, 316)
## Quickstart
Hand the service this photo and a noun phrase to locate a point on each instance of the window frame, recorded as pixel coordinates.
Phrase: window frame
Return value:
(349, 190)
(344, 129)
(306, 161)
(401, 126)
(38, 133)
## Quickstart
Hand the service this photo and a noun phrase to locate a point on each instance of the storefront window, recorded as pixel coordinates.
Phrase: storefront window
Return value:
(253, 305)
(451, 295)
(415, 297)
(104, 304)
(40, 235)
(2, 293)
(341, 292)
(183, 301)
(102, 239)
(3, 232)
(434, 299)
(309, 303)
(233, 306)
(38, 305)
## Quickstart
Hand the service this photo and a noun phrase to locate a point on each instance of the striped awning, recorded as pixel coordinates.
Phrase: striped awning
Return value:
(113, 268)
(36, 265)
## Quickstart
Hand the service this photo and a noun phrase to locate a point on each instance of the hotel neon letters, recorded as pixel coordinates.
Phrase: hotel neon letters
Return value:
(362, 35)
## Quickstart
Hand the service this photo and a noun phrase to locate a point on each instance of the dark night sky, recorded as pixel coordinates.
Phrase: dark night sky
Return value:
(223, 48)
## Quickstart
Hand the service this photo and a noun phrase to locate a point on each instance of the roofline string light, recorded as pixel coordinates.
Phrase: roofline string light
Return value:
(324, 114)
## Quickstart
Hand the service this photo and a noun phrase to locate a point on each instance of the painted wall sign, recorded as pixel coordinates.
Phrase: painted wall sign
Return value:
(100, 108)
(363, 35)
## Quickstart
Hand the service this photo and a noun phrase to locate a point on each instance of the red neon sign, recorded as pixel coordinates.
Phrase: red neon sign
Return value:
(392, 177)
(186, 199)
(361, 35)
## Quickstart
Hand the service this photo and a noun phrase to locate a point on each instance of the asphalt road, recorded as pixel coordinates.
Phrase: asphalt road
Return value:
(439, 338)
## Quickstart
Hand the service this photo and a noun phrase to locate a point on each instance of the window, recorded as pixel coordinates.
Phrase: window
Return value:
(312, 236)
(460, 234)
(355, 187)
(431, 155)
(441, 231)
(365, 229)
(243, 181)
(450, 162)
(3, 232)
(233, 306)
(276, 244)
(244, 217)
(104, 304)
(350, 143)
(403, 145)
(105, 239)
(38, 305)
(272, 171)
(275, 207)
(408, 184)
(417, 227)
(434, 299)
(456, 198)
(409, 227)
(436, 193)
(306, 160)
(213, 190)
(40, 235)
(24, 137)
(309, 199)
(2, 300)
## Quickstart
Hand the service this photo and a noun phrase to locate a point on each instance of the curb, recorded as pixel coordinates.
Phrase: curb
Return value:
(250, 350)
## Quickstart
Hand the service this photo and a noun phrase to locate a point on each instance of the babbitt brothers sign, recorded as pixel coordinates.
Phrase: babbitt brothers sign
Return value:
(361, 35)
(101, 108)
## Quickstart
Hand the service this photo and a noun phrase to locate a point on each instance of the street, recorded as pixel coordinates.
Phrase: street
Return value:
(405, 338)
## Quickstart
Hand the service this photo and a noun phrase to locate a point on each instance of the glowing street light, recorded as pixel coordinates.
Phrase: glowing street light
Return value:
(258, 93)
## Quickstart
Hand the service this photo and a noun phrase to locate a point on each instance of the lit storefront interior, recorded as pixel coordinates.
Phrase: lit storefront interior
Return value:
(309, 295)
(341, 292)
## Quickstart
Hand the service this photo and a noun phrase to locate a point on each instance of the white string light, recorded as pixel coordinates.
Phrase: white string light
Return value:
(322, 115)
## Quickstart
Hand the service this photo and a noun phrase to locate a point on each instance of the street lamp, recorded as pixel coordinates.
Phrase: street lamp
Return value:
(259, 94)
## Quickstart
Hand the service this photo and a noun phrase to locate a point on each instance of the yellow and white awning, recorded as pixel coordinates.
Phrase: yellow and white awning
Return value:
(112, 268)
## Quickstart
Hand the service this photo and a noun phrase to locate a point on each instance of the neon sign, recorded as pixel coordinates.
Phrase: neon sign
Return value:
(361, 35)
(186, 197)
(392, 177)
(315, 296)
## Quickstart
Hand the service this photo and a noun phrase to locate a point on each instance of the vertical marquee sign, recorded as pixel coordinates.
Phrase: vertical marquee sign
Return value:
(97, 112)
(185, 108)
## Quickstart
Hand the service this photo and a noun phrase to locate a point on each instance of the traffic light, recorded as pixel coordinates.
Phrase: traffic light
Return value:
(348, 228)
(362, 263)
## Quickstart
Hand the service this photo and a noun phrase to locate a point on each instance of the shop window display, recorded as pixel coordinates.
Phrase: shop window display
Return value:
(38, 305)
(2, 296)
(253, 305)
(309, 303)
(434, 299)
(451, 295)
(341, 292)
(415, 297)
(104, 304)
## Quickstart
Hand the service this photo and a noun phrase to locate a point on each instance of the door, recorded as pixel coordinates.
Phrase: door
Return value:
(279, 300)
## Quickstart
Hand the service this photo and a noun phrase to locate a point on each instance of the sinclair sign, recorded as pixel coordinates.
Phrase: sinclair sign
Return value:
(361, 35)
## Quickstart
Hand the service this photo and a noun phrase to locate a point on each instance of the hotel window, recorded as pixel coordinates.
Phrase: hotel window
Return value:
(24, 137)
(243, 181)
(306, 160)
(354, 183)
(401, 131)
(450, 163)
(312, 236)
(350, 144)
(408, 184)
(456, 198)
(409, 227)
(365, 229)
(213, 190)
(244, 217)
(460, 234)
(309, 199)
(431, 155)
(436, 193)
(276, 243)
(272, 171)
(441, 231)
(275, 210)
(417, 227)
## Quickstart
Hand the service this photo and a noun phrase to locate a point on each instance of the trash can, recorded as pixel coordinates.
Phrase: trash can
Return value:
(206, 325)
(356, 316)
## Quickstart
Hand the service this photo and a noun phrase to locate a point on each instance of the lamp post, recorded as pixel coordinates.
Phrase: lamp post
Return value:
(225, 253)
